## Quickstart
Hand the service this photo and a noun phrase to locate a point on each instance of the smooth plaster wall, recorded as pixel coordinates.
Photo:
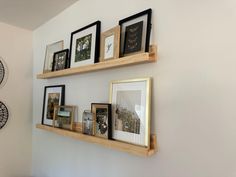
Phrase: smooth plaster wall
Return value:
(16, 136)
(193, 112)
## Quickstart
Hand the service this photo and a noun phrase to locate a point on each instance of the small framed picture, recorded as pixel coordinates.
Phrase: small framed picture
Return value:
(110, 44)
(50, 50)
(135, 33)
(130, 101)
(63, 117)
(53, 96)
(102, 120)
(60, 60)
(85, 44)
(88, 123)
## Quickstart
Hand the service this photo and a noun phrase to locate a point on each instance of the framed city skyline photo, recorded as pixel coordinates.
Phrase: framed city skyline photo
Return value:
(88, 123)
(60, 60)
(130, 101)
(85, 44)
(102, 120)
(50, 50)
(135, 33)
(53, 96)
(110, 44)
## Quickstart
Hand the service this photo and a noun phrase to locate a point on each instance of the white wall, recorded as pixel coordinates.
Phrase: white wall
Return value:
(193, 93)
(16, 136)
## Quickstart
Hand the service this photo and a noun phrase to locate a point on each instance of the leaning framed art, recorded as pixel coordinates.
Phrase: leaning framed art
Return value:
(85, 44)
(53, 96)
(135, 33)
(131, 101)
(60, 60)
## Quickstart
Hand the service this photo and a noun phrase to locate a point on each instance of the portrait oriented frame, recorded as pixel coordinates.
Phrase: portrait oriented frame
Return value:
(55, 95)
(135, 42)
(102, 120)
(50, 50)
(88, 122)
(60, 65)
(110, 44)
(85, 44)
(131, 102)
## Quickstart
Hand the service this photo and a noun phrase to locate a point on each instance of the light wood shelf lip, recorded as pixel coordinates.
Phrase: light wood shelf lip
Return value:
(125, 147)
(120, 62)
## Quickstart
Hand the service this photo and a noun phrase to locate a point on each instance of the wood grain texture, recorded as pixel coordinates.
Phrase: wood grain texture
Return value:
(117, 145)
(120, 62)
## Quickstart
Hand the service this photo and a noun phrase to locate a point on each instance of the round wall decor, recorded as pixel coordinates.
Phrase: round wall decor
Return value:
(4, 114)
(3, 72)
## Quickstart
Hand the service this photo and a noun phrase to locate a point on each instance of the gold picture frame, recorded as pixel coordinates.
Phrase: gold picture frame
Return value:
(63, 117)
(110, 44)
(131, 103)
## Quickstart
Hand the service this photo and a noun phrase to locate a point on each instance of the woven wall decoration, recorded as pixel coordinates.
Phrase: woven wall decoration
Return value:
(4, 114)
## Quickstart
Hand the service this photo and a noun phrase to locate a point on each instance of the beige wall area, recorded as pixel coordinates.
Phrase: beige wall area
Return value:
(16, 136)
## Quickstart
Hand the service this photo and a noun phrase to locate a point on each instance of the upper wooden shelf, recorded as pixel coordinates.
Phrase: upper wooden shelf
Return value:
(146, 57)
(125, 147)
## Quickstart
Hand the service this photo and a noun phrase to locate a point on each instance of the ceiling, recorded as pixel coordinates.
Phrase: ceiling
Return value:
(30, 14)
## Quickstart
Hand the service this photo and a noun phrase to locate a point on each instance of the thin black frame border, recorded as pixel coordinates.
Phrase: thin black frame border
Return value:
(109, 134)
(44, 99)
(67, 59)
(97, 38)
(147, 12)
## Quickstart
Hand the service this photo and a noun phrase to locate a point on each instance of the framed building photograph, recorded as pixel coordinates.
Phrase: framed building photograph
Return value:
(63, 117)
(102, 120)
(50, 50)
(130, 101)
(88, 123)
(53, 96)
(110, 44)
(60, 60)
(84, 45)
(135, 33)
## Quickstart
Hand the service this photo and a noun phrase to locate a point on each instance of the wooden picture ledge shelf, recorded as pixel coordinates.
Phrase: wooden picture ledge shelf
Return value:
(146, 57)
(121, 146)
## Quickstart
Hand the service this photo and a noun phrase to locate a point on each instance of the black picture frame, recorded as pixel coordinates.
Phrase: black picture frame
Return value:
(60, 55)
(102, 120)
(52, 93)
(85, 45)
(135, 33)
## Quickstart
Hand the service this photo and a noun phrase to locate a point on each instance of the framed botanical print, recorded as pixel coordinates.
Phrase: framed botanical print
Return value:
(50, 50)
(102, 120)
(63, 117)
(85, 44)
(53, 96)
(135, 33)
(130, 101)
(60, 60)
(110, 44)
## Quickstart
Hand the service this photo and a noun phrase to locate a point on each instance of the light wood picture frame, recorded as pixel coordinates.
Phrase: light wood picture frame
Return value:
(110, 44)
(131, 103)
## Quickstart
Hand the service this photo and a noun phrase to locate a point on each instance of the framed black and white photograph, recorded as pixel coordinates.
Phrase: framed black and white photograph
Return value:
(110, 44)
(135, 33)
(50, 50)
(102, 120)
(88, 123)
(53, 96)
(85, 44)
(60, 60)
(130, 101)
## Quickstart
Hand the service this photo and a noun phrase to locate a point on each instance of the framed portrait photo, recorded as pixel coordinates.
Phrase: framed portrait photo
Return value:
(60, 60)
(63, 117)
(88, 123)
(84, 45)
(130, 101)
(50, 50)
(102, 120)
(135, 33)
(53, 96)
(110, 44)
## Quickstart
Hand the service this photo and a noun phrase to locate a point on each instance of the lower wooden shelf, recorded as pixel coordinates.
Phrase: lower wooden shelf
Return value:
(125, 147)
